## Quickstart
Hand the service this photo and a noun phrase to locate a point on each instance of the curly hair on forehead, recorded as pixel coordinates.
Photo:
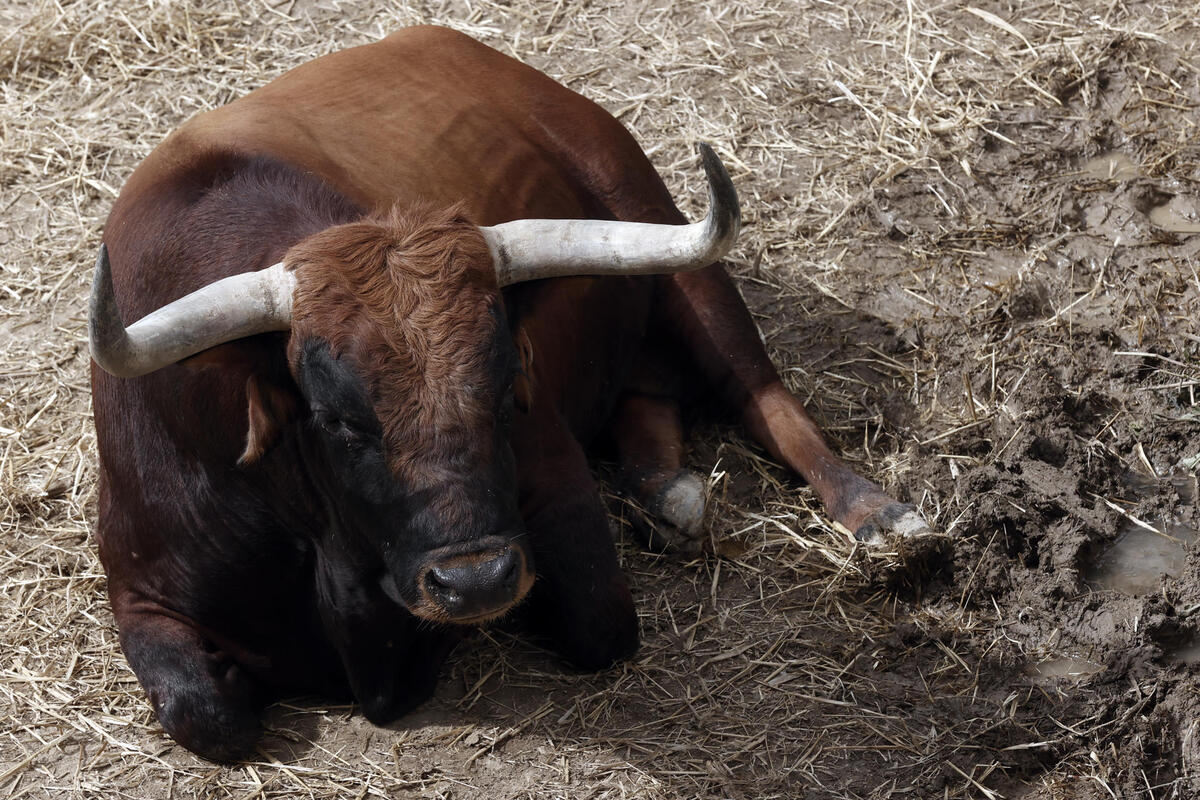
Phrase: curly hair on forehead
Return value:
(406, 293)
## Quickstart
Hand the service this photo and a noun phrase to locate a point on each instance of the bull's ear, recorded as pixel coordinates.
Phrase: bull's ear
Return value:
(523, 384)
(270, 408)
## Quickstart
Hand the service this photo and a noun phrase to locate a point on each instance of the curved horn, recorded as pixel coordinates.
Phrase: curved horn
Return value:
(528, 249)
(233, 307)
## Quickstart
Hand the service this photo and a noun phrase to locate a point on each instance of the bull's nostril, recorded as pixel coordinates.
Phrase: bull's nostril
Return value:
(440, 583)
(513, 574)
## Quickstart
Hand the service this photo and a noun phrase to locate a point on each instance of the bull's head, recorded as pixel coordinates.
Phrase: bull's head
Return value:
(401, 351)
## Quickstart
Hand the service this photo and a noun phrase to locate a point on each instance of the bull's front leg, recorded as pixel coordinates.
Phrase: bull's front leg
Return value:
(581, 599)
(202, 697)
(391, 660)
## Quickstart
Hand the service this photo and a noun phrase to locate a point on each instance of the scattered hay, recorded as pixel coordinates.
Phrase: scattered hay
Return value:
(928, 268)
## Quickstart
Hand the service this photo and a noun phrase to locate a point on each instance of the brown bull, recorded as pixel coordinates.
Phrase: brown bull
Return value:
(349, 440)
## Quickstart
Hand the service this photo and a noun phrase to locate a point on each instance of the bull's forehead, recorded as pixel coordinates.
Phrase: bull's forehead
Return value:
(395, 265)
(436, 384)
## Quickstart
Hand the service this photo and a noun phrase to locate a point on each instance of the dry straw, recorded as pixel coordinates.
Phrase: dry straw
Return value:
(796, 664)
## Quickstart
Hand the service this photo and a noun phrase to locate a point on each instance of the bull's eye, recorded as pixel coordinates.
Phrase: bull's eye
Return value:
(505, 413)
(338, 427)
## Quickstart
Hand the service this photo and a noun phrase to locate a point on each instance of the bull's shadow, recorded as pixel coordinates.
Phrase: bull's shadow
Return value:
(769, 673)
(750, 675)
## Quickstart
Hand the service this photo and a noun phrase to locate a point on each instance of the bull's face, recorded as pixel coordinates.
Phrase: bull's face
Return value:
(401, 350)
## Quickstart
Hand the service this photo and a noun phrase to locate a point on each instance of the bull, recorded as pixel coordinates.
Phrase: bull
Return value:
(379, 308)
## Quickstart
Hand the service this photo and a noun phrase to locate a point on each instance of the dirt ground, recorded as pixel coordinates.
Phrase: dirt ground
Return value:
(969, 245)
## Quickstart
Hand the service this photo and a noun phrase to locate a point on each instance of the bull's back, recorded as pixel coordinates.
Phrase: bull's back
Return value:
(424, 114)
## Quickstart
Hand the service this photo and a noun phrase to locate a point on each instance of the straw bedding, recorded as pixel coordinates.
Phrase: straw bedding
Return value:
(989, 314)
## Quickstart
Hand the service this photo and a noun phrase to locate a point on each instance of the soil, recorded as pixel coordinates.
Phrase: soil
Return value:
(971, 250)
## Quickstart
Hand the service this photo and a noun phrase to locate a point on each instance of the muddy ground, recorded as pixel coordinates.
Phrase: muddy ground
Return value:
(971, 246)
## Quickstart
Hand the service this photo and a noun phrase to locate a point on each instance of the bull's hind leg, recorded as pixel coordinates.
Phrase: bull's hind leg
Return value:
(705, 312)
(202, 698)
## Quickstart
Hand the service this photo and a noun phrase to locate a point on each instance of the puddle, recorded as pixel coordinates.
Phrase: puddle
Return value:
(1169, 219)
(1134, 563)
(1185, 484)
(1188, 653)
(1069, 667)
(1111, 167)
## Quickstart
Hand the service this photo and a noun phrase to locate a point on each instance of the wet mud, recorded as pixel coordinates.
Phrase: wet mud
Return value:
(1066, 357)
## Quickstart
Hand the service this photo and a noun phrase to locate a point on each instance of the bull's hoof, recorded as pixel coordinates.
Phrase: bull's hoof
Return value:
(895, 521)
(910, 553)
(208, 725)
(593, 629)
(614, 641)
(387, 706)
(678, 510)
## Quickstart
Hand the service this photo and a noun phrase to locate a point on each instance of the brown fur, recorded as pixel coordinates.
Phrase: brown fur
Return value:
(406, 294)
